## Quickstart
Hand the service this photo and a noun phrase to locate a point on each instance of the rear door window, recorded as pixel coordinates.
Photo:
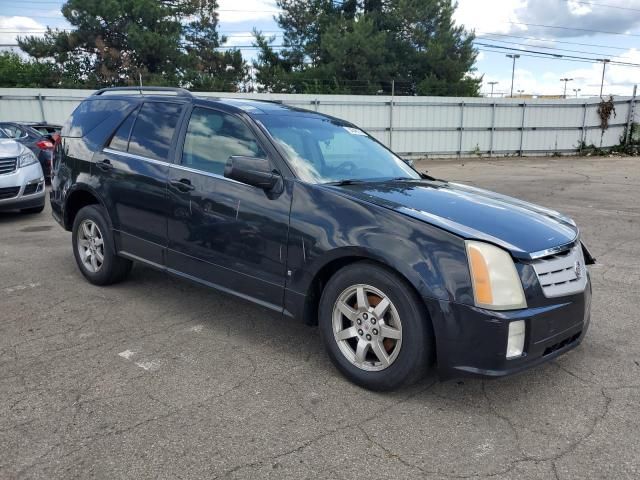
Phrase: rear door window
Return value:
(154, 129)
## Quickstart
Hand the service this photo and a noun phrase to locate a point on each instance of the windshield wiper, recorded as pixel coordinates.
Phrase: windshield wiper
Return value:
(346, 181)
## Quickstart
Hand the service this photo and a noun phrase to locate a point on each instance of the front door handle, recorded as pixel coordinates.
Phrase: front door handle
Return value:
(184, 184)
(104, 165)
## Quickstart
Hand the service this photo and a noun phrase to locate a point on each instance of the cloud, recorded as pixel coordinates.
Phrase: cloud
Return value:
(578, 15)
(508, 16)
(619, 79)
(12, 27)
(233, 11)
(475, 15)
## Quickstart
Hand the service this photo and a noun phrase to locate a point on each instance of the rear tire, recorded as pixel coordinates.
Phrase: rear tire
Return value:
(375, 328)
(94, 248)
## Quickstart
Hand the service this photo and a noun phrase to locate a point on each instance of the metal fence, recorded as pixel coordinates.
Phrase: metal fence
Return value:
(413, 126)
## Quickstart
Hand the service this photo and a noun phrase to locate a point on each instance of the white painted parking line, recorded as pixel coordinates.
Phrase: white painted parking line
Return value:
(127, 354)
(17, 288)
(152, 365)
(149, 365)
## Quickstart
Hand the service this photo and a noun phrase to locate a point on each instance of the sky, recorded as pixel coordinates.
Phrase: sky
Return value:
(589, 29)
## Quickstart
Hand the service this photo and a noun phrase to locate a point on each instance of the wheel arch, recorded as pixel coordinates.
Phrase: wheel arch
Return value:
(342, 259)
(80, 197)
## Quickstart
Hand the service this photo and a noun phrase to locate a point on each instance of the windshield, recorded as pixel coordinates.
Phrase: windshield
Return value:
(321, 150)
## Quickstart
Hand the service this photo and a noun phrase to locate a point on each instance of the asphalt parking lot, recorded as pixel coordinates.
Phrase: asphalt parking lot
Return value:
(160, 378)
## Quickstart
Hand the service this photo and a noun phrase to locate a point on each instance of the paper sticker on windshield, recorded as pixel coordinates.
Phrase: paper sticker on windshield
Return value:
(354, 131)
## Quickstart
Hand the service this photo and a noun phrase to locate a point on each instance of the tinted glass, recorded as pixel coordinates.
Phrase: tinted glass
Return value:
(212, 137)
(153, 130)
(90, 114)
(120, 139)
(3, 134)
(14, 131)
(322, 150)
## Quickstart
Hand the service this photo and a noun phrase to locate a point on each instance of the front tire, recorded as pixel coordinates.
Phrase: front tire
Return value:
(94, 248)
(375, 328)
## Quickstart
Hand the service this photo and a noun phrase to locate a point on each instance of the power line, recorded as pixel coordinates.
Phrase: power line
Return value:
(574, 28)
(539, 56)
(552, 48)
(555, 55)
(553, 40)
(604, 5)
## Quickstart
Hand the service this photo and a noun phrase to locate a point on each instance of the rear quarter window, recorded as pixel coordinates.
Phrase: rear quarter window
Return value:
(92, 113)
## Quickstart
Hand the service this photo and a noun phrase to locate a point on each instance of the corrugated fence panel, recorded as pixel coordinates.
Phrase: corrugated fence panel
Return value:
(409, 125)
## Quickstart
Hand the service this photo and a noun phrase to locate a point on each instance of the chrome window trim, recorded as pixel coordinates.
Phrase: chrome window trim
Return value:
(137, 157)
(207, 174)
(172, 165)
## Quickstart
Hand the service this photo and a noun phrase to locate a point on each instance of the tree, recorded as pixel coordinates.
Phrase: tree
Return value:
(113, 42)
(161, 42)
(207, 67)
(16, 72)
(359, 46)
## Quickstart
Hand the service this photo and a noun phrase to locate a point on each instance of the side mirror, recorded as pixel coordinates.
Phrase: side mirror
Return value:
(252, 171)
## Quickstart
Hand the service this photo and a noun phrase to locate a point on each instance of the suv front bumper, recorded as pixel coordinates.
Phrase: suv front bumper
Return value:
(472, 341)
(29, 178)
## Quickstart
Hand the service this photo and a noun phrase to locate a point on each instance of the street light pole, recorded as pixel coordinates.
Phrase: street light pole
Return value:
(492, 84)
(566, 80)
(576, 90)
(604, 67)
(513, 70)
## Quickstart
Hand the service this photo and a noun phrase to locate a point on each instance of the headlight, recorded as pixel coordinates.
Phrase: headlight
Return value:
(27, 158)
(496, 284)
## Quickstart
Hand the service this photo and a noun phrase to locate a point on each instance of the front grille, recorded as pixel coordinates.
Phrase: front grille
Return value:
(562, 274)
(9, 192)
(7, 165)
(30, 189)
(562, 344)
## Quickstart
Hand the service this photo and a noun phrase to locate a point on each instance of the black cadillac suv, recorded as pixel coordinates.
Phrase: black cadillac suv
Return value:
(309, 216)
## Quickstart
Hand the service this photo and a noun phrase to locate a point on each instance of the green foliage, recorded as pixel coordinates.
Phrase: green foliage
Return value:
(16, 72)
(359, 46)
(346, 47)
(119, 42)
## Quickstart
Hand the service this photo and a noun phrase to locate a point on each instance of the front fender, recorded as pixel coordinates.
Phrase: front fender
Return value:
(326, 227)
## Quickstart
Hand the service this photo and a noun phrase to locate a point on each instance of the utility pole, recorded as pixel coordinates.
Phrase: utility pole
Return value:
(513, 69)
(604, 67)
(565, 80)
(576, 90)
(492, 84)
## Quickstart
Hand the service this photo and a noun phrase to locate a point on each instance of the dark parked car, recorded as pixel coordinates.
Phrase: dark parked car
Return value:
(48, 130)
(35, 137)
(309, 216)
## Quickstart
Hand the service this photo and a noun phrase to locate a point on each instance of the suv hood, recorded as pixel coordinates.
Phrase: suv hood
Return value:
(10, 148)
(522, 228)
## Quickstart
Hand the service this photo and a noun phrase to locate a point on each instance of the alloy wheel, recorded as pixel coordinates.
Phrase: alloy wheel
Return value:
(367, 327)
(90, 246)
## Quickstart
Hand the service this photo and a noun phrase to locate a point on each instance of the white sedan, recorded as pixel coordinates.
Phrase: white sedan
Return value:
(21, 178)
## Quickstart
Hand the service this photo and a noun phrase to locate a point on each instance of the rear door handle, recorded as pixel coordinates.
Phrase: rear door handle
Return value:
(104, 165)
(184, 184)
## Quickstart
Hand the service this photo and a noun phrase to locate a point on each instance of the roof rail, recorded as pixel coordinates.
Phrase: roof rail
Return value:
(178, 91)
